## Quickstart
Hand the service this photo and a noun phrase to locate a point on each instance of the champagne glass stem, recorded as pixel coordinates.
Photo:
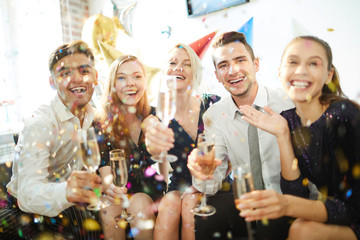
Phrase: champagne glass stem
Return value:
(203, 199)
(249, 230)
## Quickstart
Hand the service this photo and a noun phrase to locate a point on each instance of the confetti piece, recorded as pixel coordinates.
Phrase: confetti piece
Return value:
(305, 182)
(149, 172)
(356, 171)
(91, 225)
(265, 221)
(349, 193)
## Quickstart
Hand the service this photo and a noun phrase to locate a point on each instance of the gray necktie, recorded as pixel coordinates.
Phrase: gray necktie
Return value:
(255, 161)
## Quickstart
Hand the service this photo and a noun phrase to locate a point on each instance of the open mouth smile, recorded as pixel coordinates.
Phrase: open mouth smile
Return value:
(234, 81)
(299, 84)
(77, 90)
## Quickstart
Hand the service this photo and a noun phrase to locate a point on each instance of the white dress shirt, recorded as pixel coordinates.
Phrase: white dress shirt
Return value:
(44, 158)
(224, 120)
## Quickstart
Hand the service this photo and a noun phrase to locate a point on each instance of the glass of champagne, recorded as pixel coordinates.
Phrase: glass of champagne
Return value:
(166, 109)
(119, 171)
(206, 160)
(243, 183)
(90, 156)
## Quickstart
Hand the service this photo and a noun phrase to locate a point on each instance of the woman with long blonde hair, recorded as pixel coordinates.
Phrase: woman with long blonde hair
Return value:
(125, 106)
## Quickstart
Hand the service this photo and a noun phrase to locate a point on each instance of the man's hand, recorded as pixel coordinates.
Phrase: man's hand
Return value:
(80, 187)
(195, 168)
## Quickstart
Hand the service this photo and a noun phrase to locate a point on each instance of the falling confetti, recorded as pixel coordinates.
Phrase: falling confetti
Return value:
(91, 225)
(305, 182)
(265, 221)
(356, 171)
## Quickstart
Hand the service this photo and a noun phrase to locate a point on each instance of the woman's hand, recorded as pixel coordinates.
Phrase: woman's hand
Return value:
(271, 122)
(263, 204)
(116, 194)
(157, 137)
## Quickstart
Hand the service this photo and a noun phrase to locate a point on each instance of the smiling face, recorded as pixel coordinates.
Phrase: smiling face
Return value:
(179, 65)
(304, 70)
(130, 82)
(235, 69)
(74, 77)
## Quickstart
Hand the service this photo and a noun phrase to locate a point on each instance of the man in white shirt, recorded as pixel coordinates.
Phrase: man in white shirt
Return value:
(236, 67)
(45, 179)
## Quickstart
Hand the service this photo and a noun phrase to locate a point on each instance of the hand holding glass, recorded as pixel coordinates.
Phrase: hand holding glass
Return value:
(206, 160)
(166, 109)
(243, 183)
(119, 171)
(90, 155)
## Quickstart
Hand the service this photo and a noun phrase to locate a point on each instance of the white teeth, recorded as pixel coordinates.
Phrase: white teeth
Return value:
(78, 89)
(300, 84)
(131, 92)
(237, 80)
(180, 77)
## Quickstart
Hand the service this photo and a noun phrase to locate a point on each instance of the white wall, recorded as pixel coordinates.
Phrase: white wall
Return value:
(275, 23)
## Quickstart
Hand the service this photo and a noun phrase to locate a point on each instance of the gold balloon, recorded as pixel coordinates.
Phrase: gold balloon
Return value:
(110, 54)
(100, 28)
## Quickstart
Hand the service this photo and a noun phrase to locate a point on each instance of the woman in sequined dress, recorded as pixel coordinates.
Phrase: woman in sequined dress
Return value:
(319, 141)
(125, 105)
(183, 131)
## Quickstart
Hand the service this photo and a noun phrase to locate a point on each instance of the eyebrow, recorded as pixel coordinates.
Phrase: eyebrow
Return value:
(296, 56)
(233, 59)
(81, 66)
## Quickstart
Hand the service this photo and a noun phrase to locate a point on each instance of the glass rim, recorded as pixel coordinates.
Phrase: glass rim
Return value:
(117, 152)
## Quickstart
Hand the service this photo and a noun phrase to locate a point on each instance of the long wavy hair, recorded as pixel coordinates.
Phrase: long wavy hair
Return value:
(112, 115)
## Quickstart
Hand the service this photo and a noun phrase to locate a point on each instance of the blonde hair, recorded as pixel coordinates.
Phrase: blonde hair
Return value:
(196, 66)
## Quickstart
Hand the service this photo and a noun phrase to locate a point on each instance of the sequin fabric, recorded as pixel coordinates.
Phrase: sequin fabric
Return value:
(328, 153)
(139, 160)
(180, 178)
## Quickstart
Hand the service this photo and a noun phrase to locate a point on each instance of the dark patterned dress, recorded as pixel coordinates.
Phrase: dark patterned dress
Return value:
(183, 145)
(328, 153)
(142, 177)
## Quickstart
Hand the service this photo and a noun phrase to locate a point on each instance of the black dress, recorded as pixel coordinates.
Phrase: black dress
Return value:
(328, 153)
(183, 145)
(142, 177)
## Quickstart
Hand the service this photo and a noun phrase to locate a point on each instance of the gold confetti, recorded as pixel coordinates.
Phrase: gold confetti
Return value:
(226, 186)
(8, 164)
(122, 224)
(305, 182)
(308, 97)
(91, 225)
(356, 171)
(265, 221)
(330, 29)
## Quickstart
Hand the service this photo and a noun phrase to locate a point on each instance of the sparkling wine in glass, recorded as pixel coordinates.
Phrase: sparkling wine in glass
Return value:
(119, 171)
(166, 109)
(206, 160)
(243, 183)
(90, 155)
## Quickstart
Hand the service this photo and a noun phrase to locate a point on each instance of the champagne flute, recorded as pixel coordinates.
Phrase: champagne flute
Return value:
(90, 156)
(243, 183)
(166, 109)
(120, 178)
(206, 160)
